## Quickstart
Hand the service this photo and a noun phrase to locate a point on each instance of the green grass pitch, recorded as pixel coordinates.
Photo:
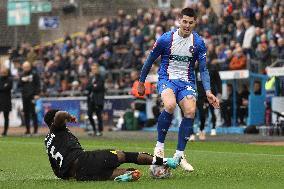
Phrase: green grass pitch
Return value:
(24, 164)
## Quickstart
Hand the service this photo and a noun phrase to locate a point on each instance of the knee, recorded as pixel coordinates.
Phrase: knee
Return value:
(170, 107)
(189, 112)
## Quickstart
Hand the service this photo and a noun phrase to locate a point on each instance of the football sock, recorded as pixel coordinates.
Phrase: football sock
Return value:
(179, 153)
(160, 145)
(159, 161)
(164, 122)
(185, 130)
(143, 158)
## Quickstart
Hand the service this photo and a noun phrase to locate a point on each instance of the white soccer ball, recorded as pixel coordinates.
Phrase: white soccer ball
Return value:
(159, 171)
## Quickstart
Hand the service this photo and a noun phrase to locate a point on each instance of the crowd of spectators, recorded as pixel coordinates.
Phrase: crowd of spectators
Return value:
(240, 32)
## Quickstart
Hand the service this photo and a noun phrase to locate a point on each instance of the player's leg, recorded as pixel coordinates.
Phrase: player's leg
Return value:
(166, 90)
(103, 164)
(213, 120)
(90, 116)
(143, 158)
(26, 110)
(34, 117)
(99, 110)
(200, 106)
(165, 119)
(186, 98)
(108, 161)
(6, 122)
(188, 106)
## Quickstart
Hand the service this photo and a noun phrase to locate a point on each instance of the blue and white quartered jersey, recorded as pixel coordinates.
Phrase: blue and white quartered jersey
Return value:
(178, 57)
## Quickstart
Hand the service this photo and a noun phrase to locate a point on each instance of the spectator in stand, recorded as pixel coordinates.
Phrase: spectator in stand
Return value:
(273, 50)
(238, 61)
(109, 41)
(258, 21)
(228, 18)
(52, 87)
(229, 57)
(249, 34)
(212, 19)
(207, 37)
(211, 54)
(239, 32)
(257, 38)
(257, 87)
(280, 43)
(268, 28)
(263, 55)
(246, 10)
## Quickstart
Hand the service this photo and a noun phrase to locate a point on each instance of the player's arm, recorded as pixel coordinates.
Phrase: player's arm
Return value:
(154, 54)
(60, 119)
(204, 74)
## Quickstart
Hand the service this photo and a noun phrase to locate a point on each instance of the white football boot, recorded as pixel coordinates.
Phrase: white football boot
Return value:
(185, 165)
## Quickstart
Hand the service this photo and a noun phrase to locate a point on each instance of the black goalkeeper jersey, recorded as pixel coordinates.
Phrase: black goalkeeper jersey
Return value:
(63, 148)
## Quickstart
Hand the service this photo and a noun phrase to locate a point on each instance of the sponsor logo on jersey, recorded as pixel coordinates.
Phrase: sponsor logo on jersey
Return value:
(180, 58)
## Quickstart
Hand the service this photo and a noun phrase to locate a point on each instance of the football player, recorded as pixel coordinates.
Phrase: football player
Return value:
(69, 160)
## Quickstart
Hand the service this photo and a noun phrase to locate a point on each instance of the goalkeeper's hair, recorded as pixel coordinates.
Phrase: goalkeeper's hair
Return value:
(49, 117)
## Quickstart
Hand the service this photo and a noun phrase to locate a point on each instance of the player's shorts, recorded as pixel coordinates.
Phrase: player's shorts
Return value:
(180, 88)
(96, 165)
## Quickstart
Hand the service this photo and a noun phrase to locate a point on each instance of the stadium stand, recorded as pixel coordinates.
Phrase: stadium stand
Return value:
(122, 41)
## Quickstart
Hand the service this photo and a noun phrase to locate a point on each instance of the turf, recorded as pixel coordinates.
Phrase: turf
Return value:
(24, 164)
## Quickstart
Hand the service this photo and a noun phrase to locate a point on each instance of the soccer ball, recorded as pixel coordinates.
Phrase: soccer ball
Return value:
(159, 171)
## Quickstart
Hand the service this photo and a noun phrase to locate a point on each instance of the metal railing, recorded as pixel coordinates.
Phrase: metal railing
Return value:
(255, 65)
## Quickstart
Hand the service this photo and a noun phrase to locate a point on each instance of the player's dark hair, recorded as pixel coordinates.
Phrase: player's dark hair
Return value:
(188, 12)
(49, 117)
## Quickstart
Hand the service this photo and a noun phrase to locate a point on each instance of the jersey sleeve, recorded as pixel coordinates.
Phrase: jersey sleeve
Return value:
(154, 54)
(204, 74)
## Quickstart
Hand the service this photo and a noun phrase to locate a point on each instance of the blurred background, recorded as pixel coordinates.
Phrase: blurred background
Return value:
(63, 39)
